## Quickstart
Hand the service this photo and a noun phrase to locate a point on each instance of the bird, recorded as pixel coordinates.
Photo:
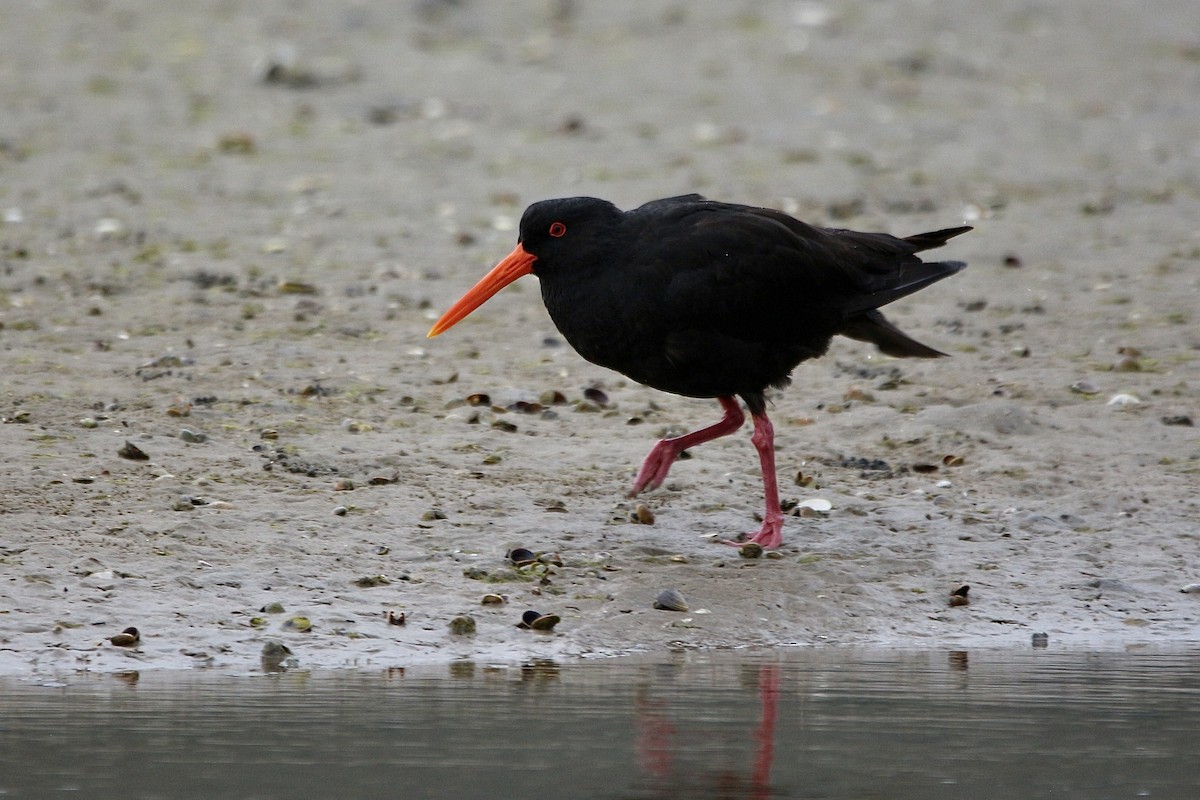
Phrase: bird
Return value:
(708, 299)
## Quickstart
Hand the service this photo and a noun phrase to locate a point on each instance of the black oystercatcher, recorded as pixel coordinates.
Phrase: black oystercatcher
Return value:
(709, 299)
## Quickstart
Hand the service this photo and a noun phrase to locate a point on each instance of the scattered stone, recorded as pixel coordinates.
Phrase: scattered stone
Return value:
(462, 625)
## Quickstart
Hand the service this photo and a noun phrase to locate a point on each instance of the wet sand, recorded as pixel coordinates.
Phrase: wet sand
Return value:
(240, 221)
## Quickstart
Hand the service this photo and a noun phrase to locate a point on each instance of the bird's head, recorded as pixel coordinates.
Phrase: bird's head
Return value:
(552, 233)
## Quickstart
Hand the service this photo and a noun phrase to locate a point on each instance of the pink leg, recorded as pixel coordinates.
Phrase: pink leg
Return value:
(770, 535)
(656, 466)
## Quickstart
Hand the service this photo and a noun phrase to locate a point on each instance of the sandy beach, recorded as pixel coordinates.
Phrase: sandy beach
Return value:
(226, 228)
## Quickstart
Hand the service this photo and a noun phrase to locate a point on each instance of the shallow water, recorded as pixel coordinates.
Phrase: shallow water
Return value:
(828, 724)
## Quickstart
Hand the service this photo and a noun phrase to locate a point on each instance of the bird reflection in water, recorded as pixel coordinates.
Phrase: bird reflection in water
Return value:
(661, 742)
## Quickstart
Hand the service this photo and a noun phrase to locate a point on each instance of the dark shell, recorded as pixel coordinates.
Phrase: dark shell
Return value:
(520, 556)
(533, 620)
(670, 600)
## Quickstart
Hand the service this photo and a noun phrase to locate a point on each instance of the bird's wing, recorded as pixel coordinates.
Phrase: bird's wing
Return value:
(723, 261)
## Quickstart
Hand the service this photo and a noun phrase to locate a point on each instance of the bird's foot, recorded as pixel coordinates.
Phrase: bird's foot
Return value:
(656, 466)
(769, 536)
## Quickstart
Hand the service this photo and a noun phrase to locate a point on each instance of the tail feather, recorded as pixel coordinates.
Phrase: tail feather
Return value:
(928, 241)
(871, 326)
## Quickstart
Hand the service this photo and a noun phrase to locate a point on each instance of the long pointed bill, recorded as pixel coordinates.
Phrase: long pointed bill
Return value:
(517, 263)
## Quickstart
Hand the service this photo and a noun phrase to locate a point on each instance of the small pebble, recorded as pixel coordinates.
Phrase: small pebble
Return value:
(341, 511)
(194, 437)
(462, 625)
(1041, 640)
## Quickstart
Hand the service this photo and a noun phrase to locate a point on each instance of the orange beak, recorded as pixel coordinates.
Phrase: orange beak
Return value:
(517, 263)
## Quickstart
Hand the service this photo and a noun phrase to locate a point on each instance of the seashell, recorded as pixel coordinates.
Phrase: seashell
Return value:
(552, 397)
(274, 649)
(596, 395)
(479, 399)
(1085, 387)
(952, 461)
(272, 608)
(959, 596)
(493, 599)
(1123, 400)
(817, 504)
(301, 624)
(670, 600)
(642, 515)
(520, 556)
(276, 657)
(1041, 640)
(132, 452)
(525, 407)
(545, 622)
(462, 625)
(396, 619)
(536, 621)
(550, 558)
(751, 550)
(1191, 588)
(126, 638)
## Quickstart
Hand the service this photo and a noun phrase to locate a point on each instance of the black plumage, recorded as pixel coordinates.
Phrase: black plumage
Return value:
(709, 299)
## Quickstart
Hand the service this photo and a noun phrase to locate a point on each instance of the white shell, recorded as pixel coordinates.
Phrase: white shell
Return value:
(816, 504)
(1123, 400)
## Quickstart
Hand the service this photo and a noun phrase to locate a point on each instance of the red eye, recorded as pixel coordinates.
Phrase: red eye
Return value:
(557, 229)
